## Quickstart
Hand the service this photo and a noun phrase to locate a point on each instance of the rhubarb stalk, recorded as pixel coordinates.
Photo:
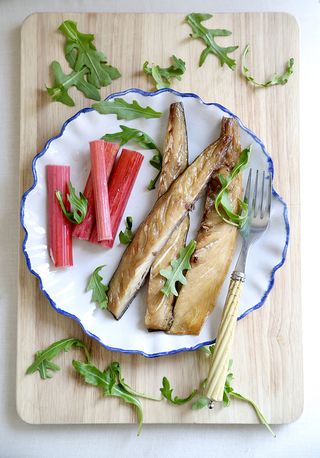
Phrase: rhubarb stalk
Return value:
(120, 186)
(100, 190)
(83, 231)
(60, 229)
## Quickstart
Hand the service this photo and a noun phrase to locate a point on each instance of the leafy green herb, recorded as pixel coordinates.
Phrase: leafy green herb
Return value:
(208, 36)
(156, 162)
(163, 76)
(222, 201)
(258, 412)
(79, 205)
(276, 79)
(129, 134)
(228, 393)
(62, 83)
(42, 360)
(153, 182)
(116, 369)
(112, 384)
(125, 110)
(99, 290)
(81, 52)
(200, 403)
(166, 391)
(127, 236)
(175, 273)
(144, 141)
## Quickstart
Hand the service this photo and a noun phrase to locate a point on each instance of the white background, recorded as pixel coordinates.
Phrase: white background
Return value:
(17, 439)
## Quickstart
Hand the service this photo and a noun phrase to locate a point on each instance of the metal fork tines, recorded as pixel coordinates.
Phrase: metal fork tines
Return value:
(259, 208)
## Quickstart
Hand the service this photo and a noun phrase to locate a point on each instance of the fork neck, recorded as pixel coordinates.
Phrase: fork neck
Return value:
(240, 266)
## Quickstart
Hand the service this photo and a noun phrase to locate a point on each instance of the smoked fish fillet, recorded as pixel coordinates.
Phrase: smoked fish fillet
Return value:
(211, 260)
(174, 161)
(168, 212)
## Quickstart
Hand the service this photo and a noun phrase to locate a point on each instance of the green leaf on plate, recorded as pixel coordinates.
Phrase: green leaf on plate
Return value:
(99, 290)
(126, 236)
(79, 205)
(222, 202)
(128, 134)
(125, 110)
(176, 273)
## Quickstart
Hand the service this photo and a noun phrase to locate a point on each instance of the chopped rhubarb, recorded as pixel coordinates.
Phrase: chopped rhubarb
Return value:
(60, 229)
(83, 231)
(100, 190)
(120, 186)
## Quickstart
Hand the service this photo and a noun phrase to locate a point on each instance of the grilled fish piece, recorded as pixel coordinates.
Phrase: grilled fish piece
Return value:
(175, 160)
(165, 216)
(210, 262)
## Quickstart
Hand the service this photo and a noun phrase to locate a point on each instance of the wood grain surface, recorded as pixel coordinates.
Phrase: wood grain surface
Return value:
(268, 350)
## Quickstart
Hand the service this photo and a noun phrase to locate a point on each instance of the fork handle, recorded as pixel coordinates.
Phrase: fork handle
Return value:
(220, 360)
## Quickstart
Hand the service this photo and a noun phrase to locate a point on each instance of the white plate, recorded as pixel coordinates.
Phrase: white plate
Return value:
(65, 288)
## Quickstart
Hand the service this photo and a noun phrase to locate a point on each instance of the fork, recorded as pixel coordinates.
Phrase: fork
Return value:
(259, 206)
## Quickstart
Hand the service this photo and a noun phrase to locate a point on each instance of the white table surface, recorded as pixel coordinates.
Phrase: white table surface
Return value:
(18, 439)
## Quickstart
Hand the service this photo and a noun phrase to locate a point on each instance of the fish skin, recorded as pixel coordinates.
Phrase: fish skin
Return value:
(216, 241)
(167, 213)
(159, 313)
(175, 148)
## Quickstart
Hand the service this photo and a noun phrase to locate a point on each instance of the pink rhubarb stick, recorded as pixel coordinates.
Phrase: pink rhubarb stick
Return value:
(120, 186)
(100, 190)
(60, 229)
(83, 230)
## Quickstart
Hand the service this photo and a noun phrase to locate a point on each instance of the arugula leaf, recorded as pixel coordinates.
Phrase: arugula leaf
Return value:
(81, 52)
(116, 369)
(166, 391)
(228, 393)
(208, 36)
(152, 183)
(112, 384)
(175, 273)
(78, 204)
(222, 200)
(276, 79)
(201, 402)
(62, 83)
(156, 162)
(99, 290)
(42, 361)
(144, 141)
(258, 412)
(163, 76)
(127, 236)
(207, 350)
(125, 110)
(129, 134)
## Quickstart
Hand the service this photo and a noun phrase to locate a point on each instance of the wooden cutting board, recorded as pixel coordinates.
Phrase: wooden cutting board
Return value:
(268, 350)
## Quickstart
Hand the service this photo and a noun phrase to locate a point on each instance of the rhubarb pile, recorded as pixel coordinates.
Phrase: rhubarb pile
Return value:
(101, 205)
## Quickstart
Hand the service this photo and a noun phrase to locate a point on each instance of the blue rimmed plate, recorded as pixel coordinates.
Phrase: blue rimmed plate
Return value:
(65, 288)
